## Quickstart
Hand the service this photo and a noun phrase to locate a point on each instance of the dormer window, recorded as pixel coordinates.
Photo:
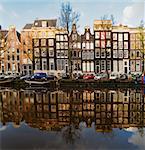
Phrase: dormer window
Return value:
(36, 23)
(44, 24)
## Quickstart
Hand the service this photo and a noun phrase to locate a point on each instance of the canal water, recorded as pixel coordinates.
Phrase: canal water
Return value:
(99, 119)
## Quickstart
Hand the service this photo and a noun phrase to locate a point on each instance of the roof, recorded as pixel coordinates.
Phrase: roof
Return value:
(49, 23)
(28, 26)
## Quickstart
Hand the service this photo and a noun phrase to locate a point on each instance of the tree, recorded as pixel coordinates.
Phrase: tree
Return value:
(68, 16)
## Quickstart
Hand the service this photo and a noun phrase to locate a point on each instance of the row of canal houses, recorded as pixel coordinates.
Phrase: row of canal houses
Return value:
(42, 46)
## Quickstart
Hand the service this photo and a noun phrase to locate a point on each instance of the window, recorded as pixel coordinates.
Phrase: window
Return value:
(103, 44)
(103, 53)
(120, 53)
(51, 64)
(108, 35)
(44, 24)
(51, 42)
(125, 53)
(74, 37)
(61, 38)
(114, 36)
(97, 35)
(51, 52)
(108, 65)
(114, 53)
(13, 57)
(114, 45)
(8, 57)
(120, 37)
(75, 54)
(125, 45)
(102, 35)
(97, 43)
(97, 53)
(137, 54)
(65, 38)
(36, 42)
(43, 42)
(36, 52)
(18, 51)
(108, 44)
(125, 63)
(43, 52)
(108, 51)
(102, 65)
(125, 36)
(37, 64)
(57, 46)
(57, 37)
(44, 64)
(18, 58)
(120, 45)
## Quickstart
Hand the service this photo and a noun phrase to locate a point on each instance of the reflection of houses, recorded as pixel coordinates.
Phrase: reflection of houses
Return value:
(137, 108)
(87, 51)
(121, 46)
(75, 47)
(11, 54)
(53, 110)
(11, 107)
(88, 107)
(103, 54)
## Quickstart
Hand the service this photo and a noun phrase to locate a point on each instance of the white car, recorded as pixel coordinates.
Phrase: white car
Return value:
(113, 76)
(98, 76)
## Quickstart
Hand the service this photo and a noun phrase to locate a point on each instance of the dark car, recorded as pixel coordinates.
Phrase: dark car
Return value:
(65, 76)
(39, 76)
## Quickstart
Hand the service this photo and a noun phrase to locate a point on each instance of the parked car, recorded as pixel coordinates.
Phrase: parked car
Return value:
(88, 76)
(26, 77)
(113, 76)
(104, 76)
(40, 75)
(51, 77)
(65, 76)
(98, 76)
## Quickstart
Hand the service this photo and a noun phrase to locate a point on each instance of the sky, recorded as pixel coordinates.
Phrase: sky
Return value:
(21, 12)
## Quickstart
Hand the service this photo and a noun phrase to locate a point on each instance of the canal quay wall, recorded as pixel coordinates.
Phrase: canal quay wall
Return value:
(76, 84)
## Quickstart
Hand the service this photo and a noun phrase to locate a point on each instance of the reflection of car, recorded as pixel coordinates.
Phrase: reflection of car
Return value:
(51, 77)
(26, 77)
(2, 75)
(65, 76)
(123, 77)
(88, 76)
(40, 75)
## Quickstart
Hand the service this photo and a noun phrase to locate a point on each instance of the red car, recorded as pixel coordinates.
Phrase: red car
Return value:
(88, 76)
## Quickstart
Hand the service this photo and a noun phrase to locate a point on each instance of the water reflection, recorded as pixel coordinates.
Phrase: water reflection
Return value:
(68, 112)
